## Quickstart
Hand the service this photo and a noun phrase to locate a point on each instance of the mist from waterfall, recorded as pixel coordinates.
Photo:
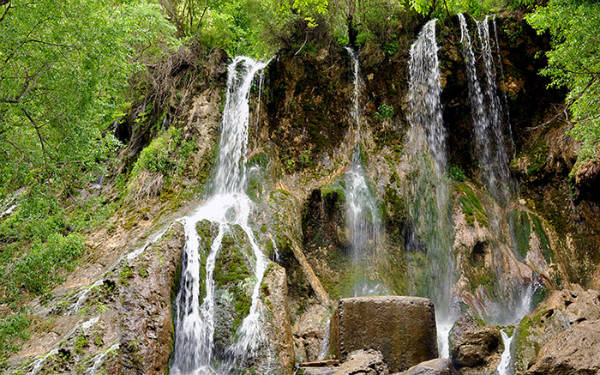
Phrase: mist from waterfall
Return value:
(429, 206)
(228, 205)
(363, 220)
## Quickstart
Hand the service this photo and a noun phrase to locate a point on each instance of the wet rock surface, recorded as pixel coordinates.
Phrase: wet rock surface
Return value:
(474, 349)
(146, 321)
(310, 331)
(278, 326)
(401, 328)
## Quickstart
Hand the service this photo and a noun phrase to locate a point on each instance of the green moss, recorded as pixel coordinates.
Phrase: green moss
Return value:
(538, 229)
(521, 230)
(143, 272)
(81, 342)
(384, 111)
(486, 278)
(232, 273)
(98, 340)
(537, 156)
(125, 274)
(471, 205)
(456, 173)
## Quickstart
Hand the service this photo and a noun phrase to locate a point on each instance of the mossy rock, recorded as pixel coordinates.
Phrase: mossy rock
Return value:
(471, 205)
(234, 280)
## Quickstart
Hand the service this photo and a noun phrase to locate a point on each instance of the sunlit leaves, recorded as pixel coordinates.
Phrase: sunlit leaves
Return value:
(574, 63)
(65, 70)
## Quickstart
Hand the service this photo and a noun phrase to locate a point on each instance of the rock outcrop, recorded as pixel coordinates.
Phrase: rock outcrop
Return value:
(359, 362)
(401, 328)
(474, 349)
(309, 333)
(279, 331)
(575, 351)
(561, 335)
(146, 321)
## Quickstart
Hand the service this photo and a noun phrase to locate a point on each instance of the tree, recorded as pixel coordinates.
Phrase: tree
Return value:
(574, 63)
(64, 71)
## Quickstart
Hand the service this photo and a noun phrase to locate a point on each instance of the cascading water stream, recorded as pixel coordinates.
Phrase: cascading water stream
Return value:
(229, 205)
(364, 223)
(524, 307)
(485, 111)
(429, 208)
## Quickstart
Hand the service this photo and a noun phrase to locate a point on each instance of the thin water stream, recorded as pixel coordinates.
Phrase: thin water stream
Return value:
(363, 221)
(429, 208)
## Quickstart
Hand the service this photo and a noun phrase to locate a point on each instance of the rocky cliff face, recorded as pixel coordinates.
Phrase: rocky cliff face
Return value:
(300, 148)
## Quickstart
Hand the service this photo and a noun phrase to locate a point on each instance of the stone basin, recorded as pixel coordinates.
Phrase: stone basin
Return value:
(401, 328)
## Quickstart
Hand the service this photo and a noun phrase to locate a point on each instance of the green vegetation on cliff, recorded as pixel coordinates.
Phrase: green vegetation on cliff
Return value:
(574, 63)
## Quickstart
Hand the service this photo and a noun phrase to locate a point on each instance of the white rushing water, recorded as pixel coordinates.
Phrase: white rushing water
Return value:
(486, 113)
(523, 308)
(229, 205)
(504, 367)
(430, 207)
(363, 221)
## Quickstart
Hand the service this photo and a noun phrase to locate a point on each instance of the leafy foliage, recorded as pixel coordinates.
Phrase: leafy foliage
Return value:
(12, 329)
(64, 79)
(64, 74)
(574, 63)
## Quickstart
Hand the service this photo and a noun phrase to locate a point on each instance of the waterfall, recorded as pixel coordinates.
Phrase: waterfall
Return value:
(486, 113)
(429, 208)
(363, 220)
(228, 205)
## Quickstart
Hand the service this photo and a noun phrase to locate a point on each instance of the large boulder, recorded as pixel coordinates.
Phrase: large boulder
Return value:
(474, 348)
(542, 334)
(401, 328)
(438, 366)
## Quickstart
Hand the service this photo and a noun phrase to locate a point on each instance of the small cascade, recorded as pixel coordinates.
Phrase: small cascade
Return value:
(486, 114)
(504, 367)
(523, 308)
(364, 223)
(429, 208)
(228, 205)
(38, 363)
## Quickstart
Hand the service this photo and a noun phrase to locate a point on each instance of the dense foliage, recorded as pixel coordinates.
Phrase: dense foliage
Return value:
(574, 63)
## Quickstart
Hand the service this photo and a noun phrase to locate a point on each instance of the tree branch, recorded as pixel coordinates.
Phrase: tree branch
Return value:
(5, 2)
(568, 104)
(37, 130)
